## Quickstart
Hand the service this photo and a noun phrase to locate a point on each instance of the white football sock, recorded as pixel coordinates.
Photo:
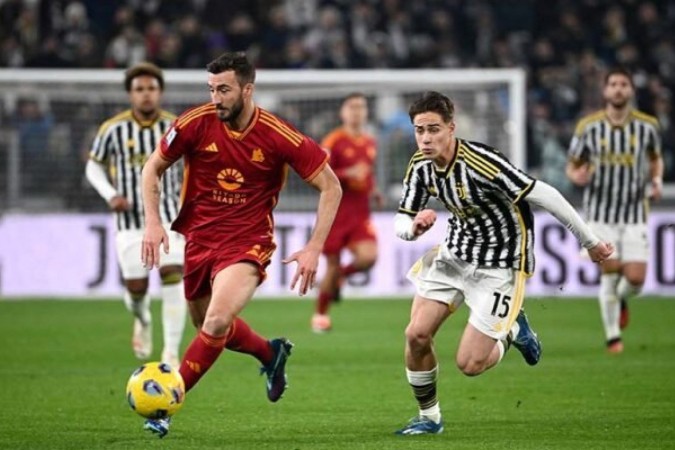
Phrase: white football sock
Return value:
(502, 350)
(627, 290)
(610, 308)
(139, 307)
(424, 388)
(174, 310)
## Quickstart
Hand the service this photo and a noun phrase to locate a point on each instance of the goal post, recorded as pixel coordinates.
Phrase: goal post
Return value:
(70, 104)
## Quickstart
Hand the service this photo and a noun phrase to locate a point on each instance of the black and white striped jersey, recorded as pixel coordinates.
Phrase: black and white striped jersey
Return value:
(490, 224)
(618, 154)
(124, 145)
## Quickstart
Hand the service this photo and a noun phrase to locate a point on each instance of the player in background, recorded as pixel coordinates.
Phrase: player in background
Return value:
(236, 156)
(486, 257)
(121, 148)
(352, 156)
(611, 153)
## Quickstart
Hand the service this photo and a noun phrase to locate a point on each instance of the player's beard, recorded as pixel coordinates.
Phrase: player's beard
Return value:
(147, 112)
(231, 115)
(618, 102)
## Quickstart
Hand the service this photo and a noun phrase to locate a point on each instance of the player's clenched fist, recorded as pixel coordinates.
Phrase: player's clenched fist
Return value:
(601, 252)
(424, 220)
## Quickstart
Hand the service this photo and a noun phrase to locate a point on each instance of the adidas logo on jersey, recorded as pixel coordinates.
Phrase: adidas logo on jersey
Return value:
(212, 147)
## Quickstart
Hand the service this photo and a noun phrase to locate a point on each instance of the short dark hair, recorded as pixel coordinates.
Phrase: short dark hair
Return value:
(141, 69)
(350, 96)
(619, 71)
(433, 101)
(236, 61)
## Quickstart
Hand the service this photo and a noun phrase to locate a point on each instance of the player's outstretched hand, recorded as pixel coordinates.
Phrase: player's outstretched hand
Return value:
(581, 175)
(119, 203)
(656, 189)
(154, 236)
(305, 272)
(601, 252)
(424, 220)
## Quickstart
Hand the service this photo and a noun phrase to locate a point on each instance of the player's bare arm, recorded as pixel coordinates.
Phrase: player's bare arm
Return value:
(656, 173)
(307, 258)
(579, 172)
(378, 198)
(155, 234)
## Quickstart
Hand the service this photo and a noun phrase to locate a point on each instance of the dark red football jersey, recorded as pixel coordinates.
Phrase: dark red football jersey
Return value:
(232, 179)
(346, 151)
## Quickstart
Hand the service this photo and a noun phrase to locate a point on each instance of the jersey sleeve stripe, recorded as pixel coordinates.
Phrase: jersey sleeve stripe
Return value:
(318, 169)
(292, 138)
(167, 115)
(407, 211)
(280, 124)
(645, 117)
(480, 166)
(276, 123)
(586, 120)
(125, 115)
(199, 111)
(195, 110)
(196, 116)
(480, 158)
(524, 192)
(493, 161)
(416, 157)
(329, 141)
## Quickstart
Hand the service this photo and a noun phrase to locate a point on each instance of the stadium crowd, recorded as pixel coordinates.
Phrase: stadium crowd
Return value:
(564, 46)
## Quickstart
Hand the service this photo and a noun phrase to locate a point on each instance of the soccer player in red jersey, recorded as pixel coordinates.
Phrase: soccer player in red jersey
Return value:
(352, 157)
(235, 155)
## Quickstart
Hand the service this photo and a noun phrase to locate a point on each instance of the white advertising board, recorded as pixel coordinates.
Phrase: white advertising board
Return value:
(74, 256)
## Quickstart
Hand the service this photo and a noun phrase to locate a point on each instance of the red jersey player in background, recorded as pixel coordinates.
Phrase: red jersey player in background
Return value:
(235, 156)
(352, 157)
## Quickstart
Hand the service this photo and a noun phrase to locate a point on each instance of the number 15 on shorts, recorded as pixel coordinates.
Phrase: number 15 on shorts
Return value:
(501, 305)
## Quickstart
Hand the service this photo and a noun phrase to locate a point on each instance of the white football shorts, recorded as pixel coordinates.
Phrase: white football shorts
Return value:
(129, 244)
(495, 296)
(630, 241)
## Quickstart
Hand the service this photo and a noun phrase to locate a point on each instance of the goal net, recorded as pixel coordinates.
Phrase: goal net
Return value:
(48, 119)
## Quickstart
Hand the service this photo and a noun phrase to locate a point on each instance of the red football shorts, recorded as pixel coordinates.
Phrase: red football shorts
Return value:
(203, 263)
(342, 235)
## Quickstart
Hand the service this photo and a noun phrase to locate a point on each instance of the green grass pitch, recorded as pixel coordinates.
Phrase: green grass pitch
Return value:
(64, 365)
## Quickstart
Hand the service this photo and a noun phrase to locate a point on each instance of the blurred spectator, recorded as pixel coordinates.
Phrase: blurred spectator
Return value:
(565, 47)
(34, 126)
(126, 49)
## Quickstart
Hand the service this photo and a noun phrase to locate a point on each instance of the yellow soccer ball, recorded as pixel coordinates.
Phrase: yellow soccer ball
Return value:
(155, 390)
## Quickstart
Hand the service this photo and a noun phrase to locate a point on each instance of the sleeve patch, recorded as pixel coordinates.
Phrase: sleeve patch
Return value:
(170, 136)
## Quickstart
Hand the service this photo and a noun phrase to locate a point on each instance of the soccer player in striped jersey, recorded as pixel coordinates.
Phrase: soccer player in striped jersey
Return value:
(352, 157)
(611, 154)
(236, 158)
(485, 259)
(121, 148)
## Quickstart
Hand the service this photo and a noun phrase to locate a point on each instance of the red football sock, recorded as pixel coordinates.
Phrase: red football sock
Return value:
(241, 338)
(323, 302)
(199, 357)
(349, 269)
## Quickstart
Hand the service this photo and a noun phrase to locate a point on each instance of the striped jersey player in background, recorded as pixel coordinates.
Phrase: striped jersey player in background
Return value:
(121, 148)
(485, 259)
(352, 156)
(611, 153)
